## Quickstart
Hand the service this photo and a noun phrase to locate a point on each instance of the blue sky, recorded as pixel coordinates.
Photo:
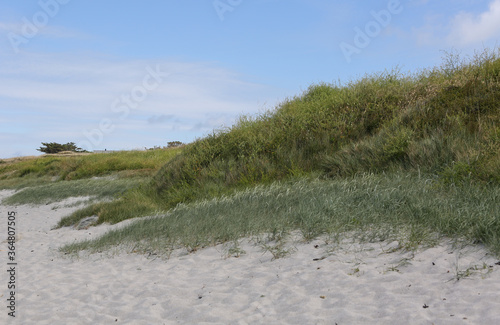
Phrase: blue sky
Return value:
(129, 74)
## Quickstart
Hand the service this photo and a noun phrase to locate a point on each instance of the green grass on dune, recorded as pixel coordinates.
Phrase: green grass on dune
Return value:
(413, 210)
(57, 191)
(439, 121)
(107, 176)
(443, 122)
(405, 156)
(134, 203)
(48, 167)
(101, 176)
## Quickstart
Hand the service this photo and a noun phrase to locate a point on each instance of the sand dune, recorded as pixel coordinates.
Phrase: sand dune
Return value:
(319, 283)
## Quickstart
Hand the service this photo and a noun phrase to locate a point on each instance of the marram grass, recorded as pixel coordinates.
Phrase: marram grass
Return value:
(443, 122)
(101, 188)
(408, 208)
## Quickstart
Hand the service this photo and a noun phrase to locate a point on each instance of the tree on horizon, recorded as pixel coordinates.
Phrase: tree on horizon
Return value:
(54, 147)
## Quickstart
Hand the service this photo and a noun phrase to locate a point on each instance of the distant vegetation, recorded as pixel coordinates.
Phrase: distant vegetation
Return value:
(174, 144)
(54, 147)
(419, 152)
(171, 144)
(46, 169)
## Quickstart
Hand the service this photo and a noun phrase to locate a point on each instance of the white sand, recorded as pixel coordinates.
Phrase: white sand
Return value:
(352, 284)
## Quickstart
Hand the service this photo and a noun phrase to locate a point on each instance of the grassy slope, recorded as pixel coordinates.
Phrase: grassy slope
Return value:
(52, 178)
(440, 126)
(399, 207)
(57, 191)
(443, 122)
(17, 173)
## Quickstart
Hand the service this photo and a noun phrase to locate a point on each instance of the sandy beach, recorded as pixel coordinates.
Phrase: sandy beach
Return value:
(320, 283)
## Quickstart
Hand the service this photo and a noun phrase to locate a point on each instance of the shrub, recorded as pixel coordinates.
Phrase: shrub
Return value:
(54, 147)
(174, 144)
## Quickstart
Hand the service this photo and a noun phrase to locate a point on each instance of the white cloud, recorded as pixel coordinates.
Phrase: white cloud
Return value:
(60, 97)
(467, 28)
(460, 30)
